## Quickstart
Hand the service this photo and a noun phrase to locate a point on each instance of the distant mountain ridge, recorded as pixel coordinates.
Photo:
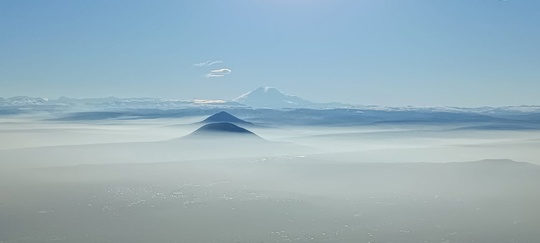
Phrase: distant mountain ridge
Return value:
(263, 97)
(113, 103)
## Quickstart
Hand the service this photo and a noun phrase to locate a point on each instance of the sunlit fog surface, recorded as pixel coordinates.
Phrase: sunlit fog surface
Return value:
(156, 180)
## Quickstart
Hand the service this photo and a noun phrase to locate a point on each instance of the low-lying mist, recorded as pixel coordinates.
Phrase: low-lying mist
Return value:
(163, 180)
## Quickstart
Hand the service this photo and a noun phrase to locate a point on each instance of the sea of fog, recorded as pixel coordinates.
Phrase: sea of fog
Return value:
(146, 181)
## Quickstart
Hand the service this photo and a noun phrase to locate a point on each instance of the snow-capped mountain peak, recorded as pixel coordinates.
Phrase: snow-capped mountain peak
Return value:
(269, 97)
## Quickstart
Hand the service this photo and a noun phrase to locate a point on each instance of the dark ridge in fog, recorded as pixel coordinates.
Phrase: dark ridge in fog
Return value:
(502, 162)
(224, 116)
(465, 120)
(222, 129)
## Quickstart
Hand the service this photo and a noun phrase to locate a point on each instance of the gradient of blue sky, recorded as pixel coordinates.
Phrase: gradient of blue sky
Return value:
(387, 52)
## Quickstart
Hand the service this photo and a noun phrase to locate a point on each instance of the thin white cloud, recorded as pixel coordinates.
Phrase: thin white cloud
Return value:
(207, 63)
(211, 75)
(215, 62)
(222, 71)
(218, 73)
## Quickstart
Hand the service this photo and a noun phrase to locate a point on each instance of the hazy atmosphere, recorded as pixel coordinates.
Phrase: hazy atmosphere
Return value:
(442, 53)
(269, 121)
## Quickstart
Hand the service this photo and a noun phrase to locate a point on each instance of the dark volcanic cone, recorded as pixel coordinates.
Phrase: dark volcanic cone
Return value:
(222, 130)
(224, 116)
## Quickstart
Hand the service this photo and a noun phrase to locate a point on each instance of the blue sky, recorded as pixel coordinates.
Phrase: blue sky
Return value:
(400, 52)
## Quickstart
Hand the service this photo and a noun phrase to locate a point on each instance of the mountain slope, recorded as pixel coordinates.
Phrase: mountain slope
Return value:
(221, 130)
(224, 116)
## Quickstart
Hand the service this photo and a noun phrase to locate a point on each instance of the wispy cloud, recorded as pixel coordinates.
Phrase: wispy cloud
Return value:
(207, 63)
(218, 73)
(221, 71)
(215, 73)
(211, 75)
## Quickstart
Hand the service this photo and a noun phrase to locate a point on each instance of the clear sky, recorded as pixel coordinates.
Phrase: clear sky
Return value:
(384, 52)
